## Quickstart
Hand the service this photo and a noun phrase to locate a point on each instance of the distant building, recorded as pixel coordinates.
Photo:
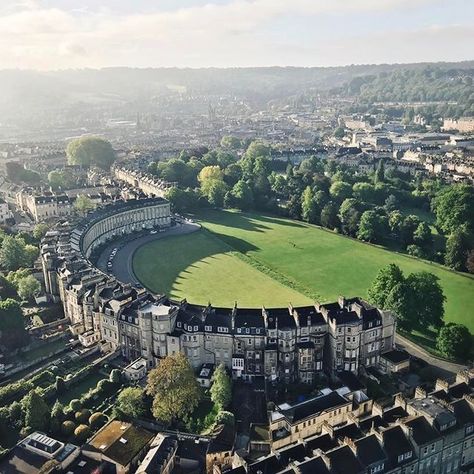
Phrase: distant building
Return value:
(463, 124)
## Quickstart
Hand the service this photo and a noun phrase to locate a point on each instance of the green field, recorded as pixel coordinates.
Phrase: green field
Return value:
(323, 263)
(203, 269)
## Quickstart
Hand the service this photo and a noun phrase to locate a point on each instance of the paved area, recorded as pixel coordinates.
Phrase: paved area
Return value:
(445, 369)
(122, 267)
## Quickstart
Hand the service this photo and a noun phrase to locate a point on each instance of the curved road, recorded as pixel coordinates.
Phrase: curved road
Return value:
(122, 267)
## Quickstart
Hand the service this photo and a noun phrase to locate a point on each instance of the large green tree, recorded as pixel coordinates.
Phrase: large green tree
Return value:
(349, 216)
(309, 208)
(386, 279)
(427, 299)
(457, 248)
(28, 287)
(174, 389)
(130, 402)
(454, 208)
(36, 411)
(372, 227)
(242, 195)
(14, 253)
(340, 190)
(221, 389)
(454, 340)
(12, 324)
(89, 151)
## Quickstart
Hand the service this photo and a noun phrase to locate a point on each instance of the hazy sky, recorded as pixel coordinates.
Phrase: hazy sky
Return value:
(56, 34)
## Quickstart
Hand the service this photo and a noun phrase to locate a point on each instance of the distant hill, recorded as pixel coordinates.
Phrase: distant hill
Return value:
(23, 92)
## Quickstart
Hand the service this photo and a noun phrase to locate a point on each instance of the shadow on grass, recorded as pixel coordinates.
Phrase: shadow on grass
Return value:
(162, 264)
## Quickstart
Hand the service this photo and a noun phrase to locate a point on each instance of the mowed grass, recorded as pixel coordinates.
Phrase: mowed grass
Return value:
(327, 263)
(203, 269)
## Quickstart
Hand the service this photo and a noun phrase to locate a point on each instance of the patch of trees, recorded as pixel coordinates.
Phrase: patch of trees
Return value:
(431, 83)
(416, 299)
(19, 174)
(90, 151)
(174, 389)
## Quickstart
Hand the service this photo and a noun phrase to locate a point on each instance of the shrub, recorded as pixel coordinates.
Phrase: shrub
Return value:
(105, 386)
(96, 420)
(82, 417)
(60, 385)
(115, 376)
(75, 404)
(68, 427)
(225, 418)
(82, 432)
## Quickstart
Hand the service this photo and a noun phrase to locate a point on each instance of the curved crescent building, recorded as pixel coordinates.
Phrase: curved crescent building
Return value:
(119, 219)
(286, 343)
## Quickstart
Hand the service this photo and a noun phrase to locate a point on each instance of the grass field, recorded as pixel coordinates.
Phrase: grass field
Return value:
(324, 263)
(203, 269)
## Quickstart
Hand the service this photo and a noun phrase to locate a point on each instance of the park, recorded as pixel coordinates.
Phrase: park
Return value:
(259, 260)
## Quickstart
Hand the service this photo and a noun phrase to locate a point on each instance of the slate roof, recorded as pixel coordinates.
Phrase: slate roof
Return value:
(314, 406)
(343, 461)
(369, 450)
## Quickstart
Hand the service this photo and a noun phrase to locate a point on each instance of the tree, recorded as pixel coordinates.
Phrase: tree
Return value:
(221, 389)
(390, 203)
(329, 216)
(372, 227)
(61, 179)
(339, 132)
(182, 200)
(294, 207)
(422, 236)
(454, 208)
(242, 195)
(365, 192)
(82, 432)
(216, 191)
(75, 404)
(174, 389)
(457, 248)
(309, 208)
(115, 376)
(36, 411)
(13, 253)
(60, 385)
(225, 418)
(89, 151)
(349, 216)
(82, 416)
(454, 341)
(399, 300)
(395, 221)
(408, 228)
(386, 279)
(97, 420)
(379, 172)
(57, 412)
(230, 142)
(12, 324)
(130, 402)
(7, 288)
(28, 287)
(83, 204)
(427, 299)
(210, 173)
(470, 261)
(39, 231)
(340, 190)
(68, 427)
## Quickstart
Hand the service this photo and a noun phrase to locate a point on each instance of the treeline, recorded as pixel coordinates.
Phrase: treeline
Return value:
(429, 84)
(379, 207)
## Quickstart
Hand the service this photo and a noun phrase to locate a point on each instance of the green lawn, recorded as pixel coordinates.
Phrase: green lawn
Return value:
(203, 269)
(323, 263)
(81, 388)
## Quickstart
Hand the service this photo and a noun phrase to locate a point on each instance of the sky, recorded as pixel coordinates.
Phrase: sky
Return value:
(62, 34)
